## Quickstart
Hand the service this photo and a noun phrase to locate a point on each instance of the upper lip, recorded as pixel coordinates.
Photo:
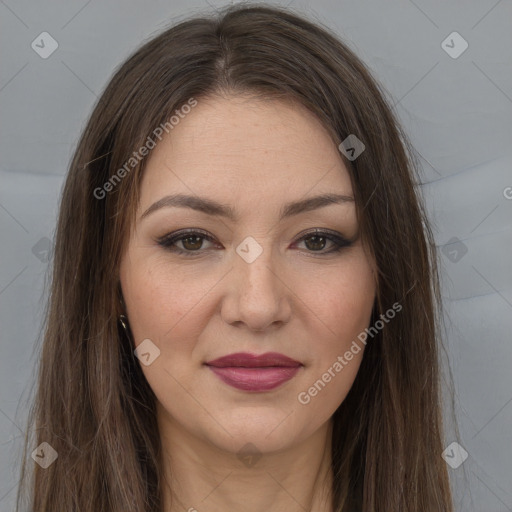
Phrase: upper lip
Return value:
(246, 360)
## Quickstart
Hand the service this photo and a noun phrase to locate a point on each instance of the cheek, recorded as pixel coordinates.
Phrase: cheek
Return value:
(339, 301)
(340, 309)
(167, 307)
(157, 297)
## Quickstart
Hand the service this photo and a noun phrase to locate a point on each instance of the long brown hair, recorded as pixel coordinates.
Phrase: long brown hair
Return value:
(93, 404)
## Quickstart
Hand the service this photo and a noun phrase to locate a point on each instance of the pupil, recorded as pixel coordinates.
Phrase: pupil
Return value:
(315, 237)
(197, 245)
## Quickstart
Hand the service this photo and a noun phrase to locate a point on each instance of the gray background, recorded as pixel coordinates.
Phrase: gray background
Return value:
(457, 112)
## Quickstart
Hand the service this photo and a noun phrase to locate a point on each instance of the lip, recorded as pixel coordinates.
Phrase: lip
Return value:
(250, 372)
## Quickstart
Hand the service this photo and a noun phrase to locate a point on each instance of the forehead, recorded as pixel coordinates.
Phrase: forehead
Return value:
(245, 149)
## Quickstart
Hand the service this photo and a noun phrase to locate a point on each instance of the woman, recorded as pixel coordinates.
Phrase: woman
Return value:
(244, 301)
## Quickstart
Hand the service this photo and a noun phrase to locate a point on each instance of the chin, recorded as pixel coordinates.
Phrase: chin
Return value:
(267, 428)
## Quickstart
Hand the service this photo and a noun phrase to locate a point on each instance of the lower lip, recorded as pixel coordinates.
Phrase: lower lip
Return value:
(255, 379)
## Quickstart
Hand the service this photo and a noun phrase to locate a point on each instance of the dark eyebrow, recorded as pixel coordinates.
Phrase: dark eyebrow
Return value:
(211, 207)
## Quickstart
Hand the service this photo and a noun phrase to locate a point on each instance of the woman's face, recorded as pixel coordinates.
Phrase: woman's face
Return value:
(254, 283)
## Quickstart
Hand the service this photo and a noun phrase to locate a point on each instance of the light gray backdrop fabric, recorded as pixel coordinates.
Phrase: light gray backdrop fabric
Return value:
(446, 67)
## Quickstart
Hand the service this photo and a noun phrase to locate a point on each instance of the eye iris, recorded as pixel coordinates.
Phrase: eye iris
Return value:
(195, 245)
(316, 244)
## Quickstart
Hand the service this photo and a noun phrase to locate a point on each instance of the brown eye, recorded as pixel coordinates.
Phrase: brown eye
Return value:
(316, 241)
(192, 242)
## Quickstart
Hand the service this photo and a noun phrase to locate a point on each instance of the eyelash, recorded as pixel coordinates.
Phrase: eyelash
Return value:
(168, 241)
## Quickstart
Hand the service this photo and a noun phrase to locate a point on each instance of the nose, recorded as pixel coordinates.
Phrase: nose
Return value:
(257, 295)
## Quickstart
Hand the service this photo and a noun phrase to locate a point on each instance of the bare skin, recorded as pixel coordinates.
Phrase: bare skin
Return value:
(298, 297)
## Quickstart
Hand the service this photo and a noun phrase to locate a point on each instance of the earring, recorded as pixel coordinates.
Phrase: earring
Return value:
(124, 323)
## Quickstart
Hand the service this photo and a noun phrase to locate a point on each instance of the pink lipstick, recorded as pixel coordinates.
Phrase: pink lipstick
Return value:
(250, 372)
